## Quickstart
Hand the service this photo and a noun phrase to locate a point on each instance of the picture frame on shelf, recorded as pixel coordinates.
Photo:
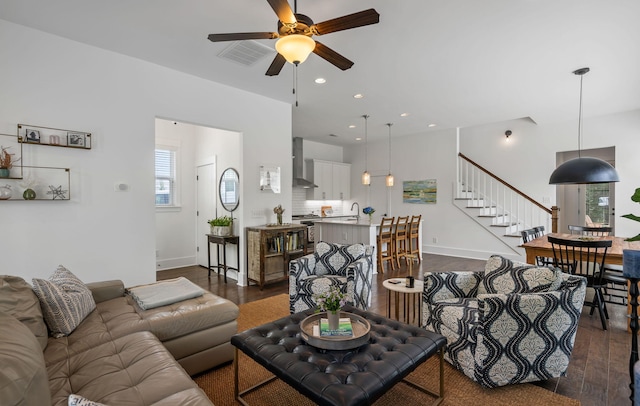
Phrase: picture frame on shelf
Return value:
(75, 139)
(32, 136)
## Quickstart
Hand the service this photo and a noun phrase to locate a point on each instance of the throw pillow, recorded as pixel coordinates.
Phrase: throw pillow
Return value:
(502, 275)
(77, 400)
(17, 299)
(65, 301)
(334, 259)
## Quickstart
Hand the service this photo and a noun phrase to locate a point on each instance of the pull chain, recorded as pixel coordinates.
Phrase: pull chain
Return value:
(295, 82)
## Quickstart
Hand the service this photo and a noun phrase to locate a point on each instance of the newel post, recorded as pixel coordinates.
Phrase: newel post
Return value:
(554, 218)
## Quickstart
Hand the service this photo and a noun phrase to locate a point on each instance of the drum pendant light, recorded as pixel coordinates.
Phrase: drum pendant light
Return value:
(583, 169)
(366, 176)
(389, 178)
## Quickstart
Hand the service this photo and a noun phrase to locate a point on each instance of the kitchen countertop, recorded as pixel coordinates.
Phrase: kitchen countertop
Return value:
(361, 222)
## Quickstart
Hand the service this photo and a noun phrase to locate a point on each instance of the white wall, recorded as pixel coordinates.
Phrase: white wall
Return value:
(526, 162)
(100, 234)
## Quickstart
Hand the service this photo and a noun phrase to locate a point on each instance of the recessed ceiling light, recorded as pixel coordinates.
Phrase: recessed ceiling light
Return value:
(358, 138)
(404, 115)
(358, 96)
(432, 125)
(321, 80)
(352, 126)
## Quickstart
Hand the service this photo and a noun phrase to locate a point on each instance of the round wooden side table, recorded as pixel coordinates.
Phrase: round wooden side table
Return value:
(411, 299)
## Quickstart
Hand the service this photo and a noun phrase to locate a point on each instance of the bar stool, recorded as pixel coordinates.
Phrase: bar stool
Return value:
(400, 238)
(413, 239)
(385, 238)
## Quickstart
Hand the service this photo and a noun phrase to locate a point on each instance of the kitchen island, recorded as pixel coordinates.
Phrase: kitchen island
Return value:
(352, 231)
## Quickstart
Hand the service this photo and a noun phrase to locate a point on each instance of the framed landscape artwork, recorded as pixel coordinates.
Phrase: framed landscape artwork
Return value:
(420, 191)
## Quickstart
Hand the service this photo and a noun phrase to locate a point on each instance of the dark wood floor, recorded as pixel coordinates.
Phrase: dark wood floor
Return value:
(599, 368)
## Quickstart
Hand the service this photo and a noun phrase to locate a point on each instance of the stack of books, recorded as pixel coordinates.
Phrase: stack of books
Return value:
(345, 329)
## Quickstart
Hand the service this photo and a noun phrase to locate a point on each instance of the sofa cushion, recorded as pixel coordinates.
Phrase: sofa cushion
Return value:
(23, 376)
(334, 259)
(504, 276)
(65, 301)
(132, 370)
(18, 300)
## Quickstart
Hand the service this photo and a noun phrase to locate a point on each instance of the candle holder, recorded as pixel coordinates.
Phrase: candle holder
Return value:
(631, 270)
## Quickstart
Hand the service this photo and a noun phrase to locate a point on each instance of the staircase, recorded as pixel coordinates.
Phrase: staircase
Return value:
(498, 207)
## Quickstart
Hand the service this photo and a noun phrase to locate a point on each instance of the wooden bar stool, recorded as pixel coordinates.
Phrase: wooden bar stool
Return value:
(400, 235)
(385, 240)
(413, 239)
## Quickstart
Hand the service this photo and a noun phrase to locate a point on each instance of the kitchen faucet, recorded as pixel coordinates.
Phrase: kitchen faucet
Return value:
(357, 212)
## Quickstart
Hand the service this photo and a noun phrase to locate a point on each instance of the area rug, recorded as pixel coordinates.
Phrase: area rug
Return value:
(459, 390)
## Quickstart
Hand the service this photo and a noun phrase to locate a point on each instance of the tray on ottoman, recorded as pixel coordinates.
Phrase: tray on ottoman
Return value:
(360, 326)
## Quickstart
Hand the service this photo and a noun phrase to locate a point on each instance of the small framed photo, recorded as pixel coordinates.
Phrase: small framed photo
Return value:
(75, 139)
(32, 135)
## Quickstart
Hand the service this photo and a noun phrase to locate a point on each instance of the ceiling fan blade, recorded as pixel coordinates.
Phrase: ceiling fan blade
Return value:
(242, 36)
(276, 65)
(347, 22)
(332, 56)
(283, 10)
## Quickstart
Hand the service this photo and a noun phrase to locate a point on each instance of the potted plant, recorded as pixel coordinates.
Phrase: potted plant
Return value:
(634, 198)
(6, 162)
(221, 226)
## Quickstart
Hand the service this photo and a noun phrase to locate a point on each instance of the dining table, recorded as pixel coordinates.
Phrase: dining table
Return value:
(541, 247)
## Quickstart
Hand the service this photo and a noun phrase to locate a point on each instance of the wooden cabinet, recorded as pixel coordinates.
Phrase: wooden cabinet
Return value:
(269, 250)
(333, 180)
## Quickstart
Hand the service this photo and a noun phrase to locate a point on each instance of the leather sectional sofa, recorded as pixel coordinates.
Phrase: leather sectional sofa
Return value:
(118, 355)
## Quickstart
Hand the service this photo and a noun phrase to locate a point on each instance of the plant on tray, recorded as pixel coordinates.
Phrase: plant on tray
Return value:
(331, 301)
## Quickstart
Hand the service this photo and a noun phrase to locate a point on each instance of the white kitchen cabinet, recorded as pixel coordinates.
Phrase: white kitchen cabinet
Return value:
(333, 180)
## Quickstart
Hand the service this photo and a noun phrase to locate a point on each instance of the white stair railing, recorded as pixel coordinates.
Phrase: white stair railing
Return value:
(510, 207)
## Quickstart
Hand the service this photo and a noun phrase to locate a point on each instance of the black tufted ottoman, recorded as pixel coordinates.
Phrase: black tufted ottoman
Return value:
(351, 377)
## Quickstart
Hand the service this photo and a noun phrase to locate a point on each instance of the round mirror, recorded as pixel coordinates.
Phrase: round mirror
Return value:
(230, 189)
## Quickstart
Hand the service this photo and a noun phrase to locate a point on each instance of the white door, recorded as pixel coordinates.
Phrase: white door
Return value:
(206, 208)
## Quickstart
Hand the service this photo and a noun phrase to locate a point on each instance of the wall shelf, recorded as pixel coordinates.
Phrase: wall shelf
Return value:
(48, 183)
(53, 137)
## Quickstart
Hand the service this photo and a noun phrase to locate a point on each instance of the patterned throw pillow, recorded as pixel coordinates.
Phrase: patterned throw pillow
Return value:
(77, 400)
(501, 275)
(334, 259)
(65, 301)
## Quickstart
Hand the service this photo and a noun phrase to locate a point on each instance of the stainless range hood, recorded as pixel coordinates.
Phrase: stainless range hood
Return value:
(298, 166)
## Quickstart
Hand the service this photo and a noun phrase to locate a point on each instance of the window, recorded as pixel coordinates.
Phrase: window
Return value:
(166, 188)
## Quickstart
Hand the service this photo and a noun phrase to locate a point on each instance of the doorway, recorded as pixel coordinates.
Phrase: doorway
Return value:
(201, 152)
(588, 204)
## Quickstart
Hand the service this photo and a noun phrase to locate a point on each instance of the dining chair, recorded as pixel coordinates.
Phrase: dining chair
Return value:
(400, 234)
(384, 241)
(615, 284)
(532, 234)
(590, 231)
(585, 258)
(413, 239)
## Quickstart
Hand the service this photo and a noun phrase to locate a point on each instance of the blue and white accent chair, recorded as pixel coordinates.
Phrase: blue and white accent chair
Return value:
(348, 267)
(511, 323)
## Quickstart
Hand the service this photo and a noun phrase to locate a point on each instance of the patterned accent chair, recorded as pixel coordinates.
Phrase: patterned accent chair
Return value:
(348, 267)
(511, 323)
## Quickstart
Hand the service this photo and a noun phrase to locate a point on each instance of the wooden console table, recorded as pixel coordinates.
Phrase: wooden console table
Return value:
(222, 240)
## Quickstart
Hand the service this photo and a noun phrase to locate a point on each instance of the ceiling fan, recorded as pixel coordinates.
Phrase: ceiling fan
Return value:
(295, 32)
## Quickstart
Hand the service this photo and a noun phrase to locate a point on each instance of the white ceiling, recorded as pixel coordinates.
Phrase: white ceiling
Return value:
(455, 63)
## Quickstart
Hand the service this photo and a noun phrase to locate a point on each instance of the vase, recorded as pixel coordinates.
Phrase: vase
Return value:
(29, 194)
(279, 219)
(5, 173)
(370, 218)
(5, 192)
(334, 319)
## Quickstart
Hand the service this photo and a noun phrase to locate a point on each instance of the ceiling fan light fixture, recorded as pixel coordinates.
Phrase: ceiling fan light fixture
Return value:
(295, 48)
